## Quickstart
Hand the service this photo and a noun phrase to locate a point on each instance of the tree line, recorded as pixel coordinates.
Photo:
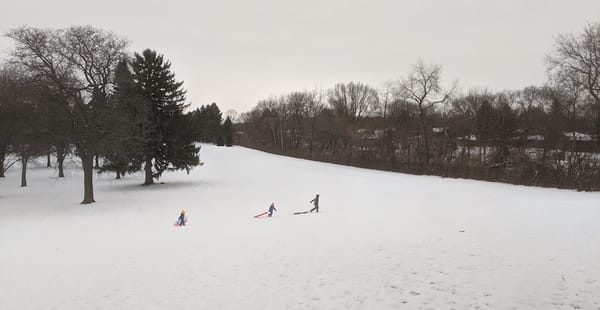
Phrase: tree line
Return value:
(547, 135)
(79, 91)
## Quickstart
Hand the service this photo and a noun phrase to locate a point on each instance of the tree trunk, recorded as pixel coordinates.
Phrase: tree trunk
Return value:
(48, 159)
(573, 128)
(148, 169)
(96, 164)
(87, 162)
(2, 157)
(407, 152)
(281, 134)
(425, 141)
(312, 136)
(334, 148)
(118, 175)
(274, 136)
(60, 158)
(418, 147)
(484, 152)
(383, 152)
(597, 127)
(24, 170)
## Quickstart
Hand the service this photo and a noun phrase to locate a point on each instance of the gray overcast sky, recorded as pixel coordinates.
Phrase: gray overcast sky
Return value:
(238, 52)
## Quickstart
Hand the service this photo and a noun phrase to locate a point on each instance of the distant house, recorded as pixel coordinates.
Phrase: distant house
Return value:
(366, 134)
(468, 138)
(535, 138)
(577, 136)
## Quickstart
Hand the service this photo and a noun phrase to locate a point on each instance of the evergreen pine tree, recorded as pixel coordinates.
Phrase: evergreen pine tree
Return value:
(211, 123)
(167, 143)
(125, 117)
(228, 132)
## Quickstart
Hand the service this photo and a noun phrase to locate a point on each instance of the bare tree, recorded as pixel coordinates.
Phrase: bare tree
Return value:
(422, 86)
(315, 106)
(578, 56)
(79, 63)
(297, 104)
(465, 108)
(568, 85)
(12, 96)
(385, 96)
(353, 100)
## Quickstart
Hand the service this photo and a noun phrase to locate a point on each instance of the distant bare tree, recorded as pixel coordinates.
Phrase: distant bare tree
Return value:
(568, 85)
(315, 106)
(385, 97)
(297, 105)
(353, 100)
(422, 86)
(578, 56)
(465, 108)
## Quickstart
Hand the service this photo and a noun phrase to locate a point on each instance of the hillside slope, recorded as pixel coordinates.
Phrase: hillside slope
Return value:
(381, 241)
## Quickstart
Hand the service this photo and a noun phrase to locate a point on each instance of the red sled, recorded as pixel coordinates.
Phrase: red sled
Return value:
(261, 215)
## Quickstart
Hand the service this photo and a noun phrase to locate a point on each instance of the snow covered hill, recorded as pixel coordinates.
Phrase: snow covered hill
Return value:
(381, 241)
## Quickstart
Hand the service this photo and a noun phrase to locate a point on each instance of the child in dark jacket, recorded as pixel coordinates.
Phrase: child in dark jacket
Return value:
(271, 209)
(315, 201)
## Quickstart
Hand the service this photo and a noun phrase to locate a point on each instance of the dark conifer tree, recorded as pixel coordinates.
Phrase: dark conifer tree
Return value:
(126, 116)
(166, 144)
(212, 124)
(220, 140)
(228, 132)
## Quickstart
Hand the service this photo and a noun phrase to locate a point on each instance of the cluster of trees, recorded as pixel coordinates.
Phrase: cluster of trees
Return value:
(77, 90)
(545, 135)
(210, 127)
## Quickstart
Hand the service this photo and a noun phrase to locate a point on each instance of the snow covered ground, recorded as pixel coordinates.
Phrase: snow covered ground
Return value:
(382, 241)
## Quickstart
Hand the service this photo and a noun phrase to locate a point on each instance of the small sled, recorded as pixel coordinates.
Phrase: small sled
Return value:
(302, 212)
(261, 215)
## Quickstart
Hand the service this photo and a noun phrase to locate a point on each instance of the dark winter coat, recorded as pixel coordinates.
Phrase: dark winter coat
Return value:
(315, 201)
(271, 208)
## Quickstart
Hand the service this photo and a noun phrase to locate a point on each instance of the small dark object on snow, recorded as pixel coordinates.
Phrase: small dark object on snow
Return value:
(316, 203)
(461, 231)
(271, 209)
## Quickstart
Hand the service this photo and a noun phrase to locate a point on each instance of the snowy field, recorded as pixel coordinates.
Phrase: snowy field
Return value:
(382, 241)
